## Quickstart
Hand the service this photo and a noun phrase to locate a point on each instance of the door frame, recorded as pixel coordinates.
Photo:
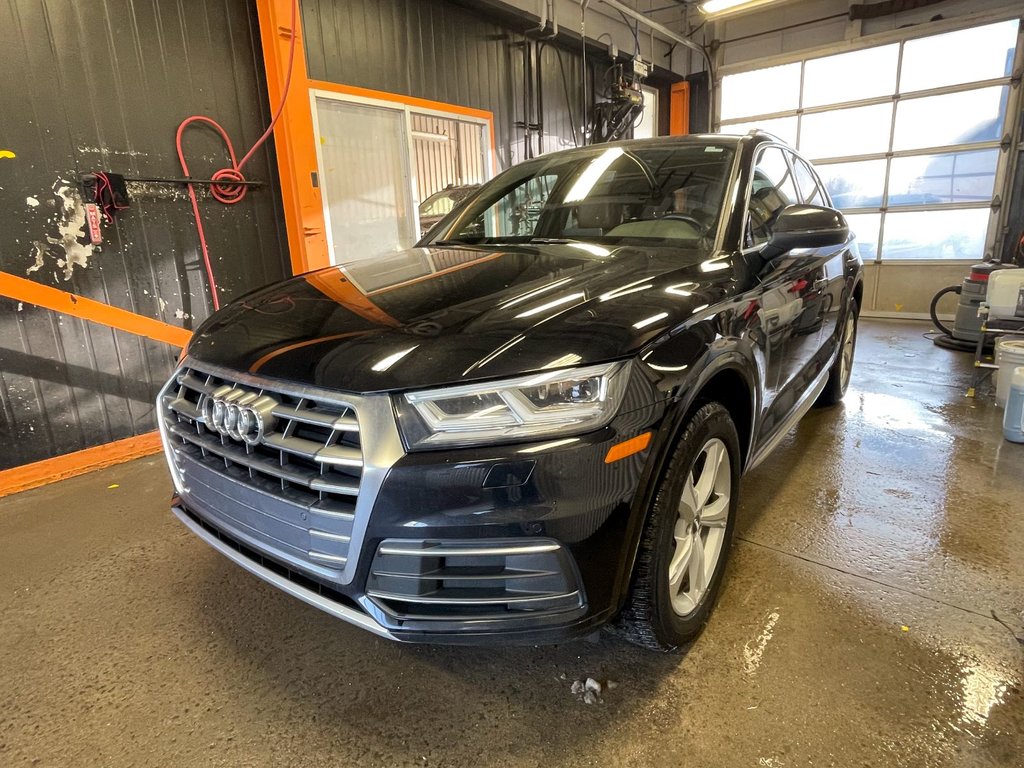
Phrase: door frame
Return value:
(294, 137)
(407, 107)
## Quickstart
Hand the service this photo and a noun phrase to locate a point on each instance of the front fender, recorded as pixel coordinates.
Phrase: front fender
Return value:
(681, 368)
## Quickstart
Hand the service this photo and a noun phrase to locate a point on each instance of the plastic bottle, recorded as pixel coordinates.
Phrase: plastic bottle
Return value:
(1013, 418)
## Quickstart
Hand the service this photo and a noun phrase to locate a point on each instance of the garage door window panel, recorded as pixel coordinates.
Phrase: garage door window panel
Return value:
(859, 184)
(851, 76)
(966, 117)
(867, 227)
(761, 91)
(840, 132)
(940, 234)
(948, 178)
(964, 56)
(913, 143)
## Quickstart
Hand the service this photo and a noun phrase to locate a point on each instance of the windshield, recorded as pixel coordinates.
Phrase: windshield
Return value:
(663, 192)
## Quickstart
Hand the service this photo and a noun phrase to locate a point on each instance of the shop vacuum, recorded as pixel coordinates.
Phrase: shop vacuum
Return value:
(972, 291)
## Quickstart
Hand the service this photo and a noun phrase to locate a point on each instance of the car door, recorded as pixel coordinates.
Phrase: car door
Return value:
(833, 275)
(792, 285)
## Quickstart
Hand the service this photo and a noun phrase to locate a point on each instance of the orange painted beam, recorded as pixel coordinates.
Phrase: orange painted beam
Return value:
(398, 98)
(22, 289)
(294, 142)
(46, 471)
(679, 110)
(415, 102)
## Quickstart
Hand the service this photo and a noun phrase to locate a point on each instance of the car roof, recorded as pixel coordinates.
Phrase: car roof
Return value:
(729, 139)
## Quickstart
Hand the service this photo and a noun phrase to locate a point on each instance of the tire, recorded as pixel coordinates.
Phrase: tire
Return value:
(842, 368)
(662, 613)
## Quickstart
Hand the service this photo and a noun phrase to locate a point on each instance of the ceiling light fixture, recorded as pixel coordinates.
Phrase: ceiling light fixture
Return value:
(723, 7)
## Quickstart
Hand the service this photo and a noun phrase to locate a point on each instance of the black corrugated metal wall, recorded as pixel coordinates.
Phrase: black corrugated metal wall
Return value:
(102, 86)
(443, 51)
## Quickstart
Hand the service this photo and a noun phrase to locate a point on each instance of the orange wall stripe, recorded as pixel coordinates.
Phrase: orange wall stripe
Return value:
(22, 289)
(294, 142)
(628, 448)
(62, 467)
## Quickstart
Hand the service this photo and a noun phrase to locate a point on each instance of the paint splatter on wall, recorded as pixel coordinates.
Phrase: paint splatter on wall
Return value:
(70, 230)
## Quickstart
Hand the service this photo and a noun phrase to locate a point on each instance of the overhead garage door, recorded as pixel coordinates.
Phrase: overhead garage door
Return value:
(905, 135)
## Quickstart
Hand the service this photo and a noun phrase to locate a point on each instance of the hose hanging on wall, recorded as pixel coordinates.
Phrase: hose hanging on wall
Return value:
(225, 191)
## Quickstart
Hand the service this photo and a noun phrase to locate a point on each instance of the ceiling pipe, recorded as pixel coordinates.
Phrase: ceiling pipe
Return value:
(676, 37)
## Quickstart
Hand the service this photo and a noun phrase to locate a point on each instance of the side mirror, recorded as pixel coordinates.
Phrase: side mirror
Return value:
(806, 226)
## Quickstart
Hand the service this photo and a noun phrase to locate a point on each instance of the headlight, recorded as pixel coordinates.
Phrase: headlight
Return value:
(527, 408)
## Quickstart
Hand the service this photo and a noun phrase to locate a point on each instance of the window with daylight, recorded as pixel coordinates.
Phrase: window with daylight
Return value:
(905, 136)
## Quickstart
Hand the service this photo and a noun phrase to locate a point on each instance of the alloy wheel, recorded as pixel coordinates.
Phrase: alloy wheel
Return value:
(699, 533)
(846, 359)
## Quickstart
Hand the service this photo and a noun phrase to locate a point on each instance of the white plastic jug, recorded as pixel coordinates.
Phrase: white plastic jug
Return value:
(1005, 294)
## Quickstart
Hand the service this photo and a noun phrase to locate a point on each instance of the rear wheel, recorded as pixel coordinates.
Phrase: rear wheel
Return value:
(686, 540)
(839, 373)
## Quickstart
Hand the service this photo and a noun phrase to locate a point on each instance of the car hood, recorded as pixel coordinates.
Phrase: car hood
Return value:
(433, 316)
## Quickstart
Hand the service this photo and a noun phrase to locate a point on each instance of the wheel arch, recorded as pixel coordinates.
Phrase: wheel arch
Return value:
(727, 379)
(858, 294)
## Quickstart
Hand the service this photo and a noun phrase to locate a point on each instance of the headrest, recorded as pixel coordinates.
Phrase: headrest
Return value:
(603, 216)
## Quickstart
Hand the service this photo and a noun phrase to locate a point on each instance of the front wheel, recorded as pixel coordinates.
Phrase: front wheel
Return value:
(839, 373)
(687, 536)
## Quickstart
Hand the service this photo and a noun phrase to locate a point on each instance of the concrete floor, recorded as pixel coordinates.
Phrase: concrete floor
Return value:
(854, 628)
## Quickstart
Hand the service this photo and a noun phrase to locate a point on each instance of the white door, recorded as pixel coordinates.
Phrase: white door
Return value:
(365, 179)
(647, 126)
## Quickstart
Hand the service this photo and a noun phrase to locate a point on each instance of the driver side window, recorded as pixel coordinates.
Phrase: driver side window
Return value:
(771, 190)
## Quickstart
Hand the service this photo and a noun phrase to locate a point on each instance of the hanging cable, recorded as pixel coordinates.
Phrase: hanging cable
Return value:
(224, 191)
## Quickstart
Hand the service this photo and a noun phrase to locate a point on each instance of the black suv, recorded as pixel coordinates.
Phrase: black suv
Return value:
(534, 422)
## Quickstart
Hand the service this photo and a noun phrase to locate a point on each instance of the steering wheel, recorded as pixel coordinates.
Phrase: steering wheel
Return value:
(686, 219)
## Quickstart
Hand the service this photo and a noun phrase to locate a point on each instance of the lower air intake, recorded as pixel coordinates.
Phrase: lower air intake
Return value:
(480, 580)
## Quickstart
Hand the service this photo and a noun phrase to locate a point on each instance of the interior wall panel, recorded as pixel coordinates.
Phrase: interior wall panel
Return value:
(442, 51)
(103, 86)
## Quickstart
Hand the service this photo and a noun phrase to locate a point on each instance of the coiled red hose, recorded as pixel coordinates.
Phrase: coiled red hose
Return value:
(226, 192)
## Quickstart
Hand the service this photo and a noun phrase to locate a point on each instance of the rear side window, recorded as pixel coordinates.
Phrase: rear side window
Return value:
(771, 190)
(810, 191)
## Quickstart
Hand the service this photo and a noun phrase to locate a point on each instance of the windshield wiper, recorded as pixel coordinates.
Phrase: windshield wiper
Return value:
(499, 241)
(453, 241)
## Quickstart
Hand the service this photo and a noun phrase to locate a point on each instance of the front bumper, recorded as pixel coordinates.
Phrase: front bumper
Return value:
(535, 539)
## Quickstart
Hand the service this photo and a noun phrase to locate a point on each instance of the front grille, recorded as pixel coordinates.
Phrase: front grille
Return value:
(479, 580)
(292, 491)
(259, 558)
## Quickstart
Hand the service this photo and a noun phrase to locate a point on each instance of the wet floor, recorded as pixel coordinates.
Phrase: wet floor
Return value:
(855, 627)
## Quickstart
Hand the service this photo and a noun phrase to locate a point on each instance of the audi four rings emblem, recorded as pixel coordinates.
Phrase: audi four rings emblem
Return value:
(239, 414)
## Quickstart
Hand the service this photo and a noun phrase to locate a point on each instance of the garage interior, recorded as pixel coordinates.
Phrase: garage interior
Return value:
(873, 608)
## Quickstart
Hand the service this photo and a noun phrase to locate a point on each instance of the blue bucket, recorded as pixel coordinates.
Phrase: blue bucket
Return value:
(1013, 419)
